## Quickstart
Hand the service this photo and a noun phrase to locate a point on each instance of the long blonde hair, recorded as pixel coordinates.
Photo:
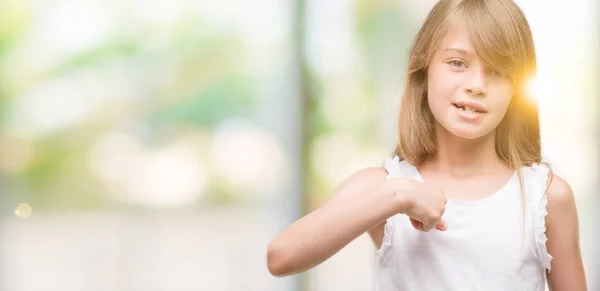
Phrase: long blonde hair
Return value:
(502, 39)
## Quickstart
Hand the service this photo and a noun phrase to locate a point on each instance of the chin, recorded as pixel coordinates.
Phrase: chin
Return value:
(470, 132)
(467, 134)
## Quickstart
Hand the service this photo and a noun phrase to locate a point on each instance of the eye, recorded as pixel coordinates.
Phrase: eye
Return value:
(497, 74)
(457, 63)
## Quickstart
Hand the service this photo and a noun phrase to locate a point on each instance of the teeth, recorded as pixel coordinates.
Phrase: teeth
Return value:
(468, 109)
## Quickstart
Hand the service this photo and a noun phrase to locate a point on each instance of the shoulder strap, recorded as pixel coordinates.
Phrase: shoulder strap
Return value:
(536, 180)
(397, 168)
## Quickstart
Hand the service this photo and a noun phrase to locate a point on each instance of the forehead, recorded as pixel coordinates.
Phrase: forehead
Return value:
(456, 39)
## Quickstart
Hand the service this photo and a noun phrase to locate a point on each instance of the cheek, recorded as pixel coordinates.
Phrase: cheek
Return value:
(504, 96)
(440, 87)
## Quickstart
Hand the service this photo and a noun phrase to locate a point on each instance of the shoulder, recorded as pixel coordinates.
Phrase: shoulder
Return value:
(553, 191)
(561, 200)
(558, 188)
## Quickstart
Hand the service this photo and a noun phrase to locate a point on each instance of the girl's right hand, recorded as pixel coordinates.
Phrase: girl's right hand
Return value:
(422, 203)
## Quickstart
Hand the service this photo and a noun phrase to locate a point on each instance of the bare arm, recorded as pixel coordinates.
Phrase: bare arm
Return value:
(562, 230)
(358, 204)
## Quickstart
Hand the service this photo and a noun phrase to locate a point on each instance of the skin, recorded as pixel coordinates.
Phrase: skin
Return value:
(466, 159)
(562, 230)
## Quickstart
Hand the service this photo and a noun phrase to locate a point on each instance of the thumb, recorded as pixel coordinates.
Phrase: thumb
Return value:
(416, 224)
(441, 225)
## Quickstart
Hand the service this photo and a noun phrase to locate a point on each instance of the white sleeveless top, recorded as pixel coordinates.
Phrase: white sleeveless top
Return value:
(483, 248)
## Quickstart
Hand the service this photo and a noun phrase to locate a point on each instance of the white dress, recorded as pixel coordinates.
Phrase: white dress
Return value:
(483, 248)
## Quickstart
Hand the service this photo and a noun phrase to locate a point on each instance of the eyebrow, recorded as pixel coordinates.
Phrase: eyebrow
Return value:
(458, 50)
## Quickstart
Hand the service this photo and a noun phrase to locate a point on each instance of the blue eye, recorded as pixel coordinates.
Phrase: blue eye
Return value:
(457, 63)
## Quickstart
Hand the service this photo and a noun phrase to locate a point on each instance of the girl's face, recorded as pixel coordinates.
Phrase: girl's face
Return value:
(466, 98)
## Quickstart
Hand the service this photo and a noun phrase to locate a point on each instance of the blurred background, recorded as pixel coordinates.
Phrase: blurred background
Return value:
(160, 145)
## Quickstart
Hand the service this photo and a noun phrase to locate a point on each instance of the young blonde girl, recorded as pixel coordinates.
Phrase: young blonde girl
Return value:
(466, 202)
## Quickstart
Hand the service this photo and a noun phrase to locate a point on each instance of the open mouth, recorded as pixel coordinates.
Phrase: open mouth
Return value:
(467, 108)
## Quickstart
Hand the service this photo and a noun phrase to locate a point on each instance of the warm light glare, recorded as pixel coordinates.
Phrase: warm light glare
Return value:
(534, 89)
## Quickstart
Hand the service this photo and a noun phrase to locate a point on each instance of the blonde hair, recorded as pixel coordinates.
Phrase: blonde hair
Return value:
(503, 41)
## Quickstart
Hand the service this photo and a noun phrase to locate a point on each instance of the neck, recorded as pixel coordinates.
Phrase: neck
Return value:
(461, 156)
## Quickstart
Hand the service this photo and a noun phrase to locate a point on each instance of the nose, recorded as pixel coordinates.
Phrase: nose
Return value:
(475, 84)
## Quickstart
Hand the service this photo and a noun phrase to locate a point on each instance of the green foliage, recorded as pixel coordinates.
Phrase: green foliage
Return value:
(211, 104)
